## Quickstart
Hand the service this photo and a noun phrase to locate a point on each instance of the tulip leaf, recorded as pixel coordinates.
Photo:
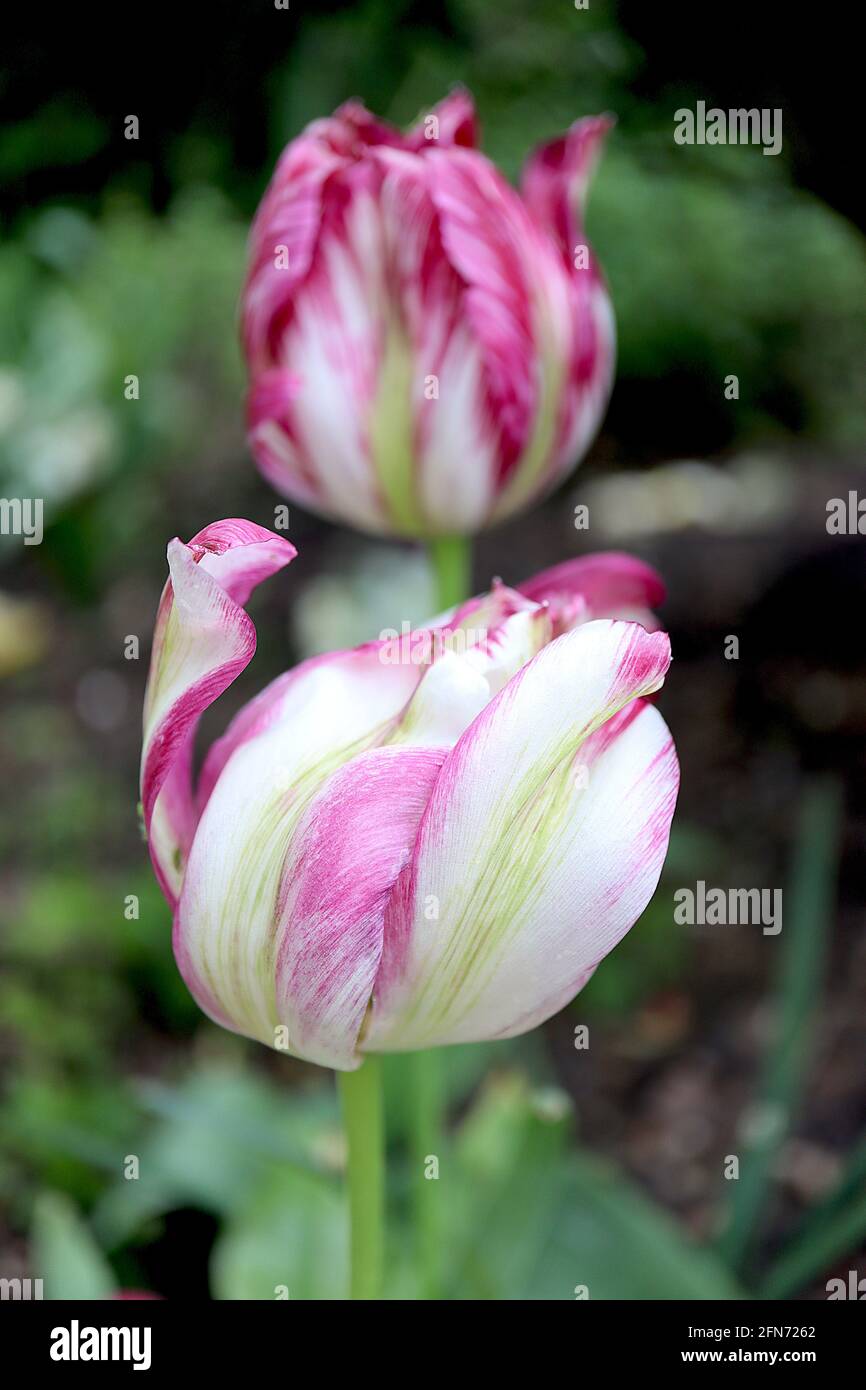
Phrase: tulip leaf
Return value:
(801, 977)
(217, 1136)
(607, 1241)
(64, 1253)
(289, 1242)
(537, 1219)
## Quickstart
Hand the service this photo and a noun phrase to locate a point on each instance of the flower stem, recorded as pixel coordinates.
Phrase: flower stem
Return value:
(428, 1118)
(451, 558)
(363, 1116)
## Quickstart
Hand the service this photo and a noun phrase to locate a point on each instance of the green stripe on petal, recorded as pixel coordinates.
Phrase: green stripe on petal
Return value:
(528, 477)
(392, 442)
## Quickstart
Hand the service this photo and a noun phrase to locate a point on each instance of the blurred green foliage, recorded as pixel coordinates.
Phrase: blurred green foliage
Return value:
(717, 262)
(524, 1215)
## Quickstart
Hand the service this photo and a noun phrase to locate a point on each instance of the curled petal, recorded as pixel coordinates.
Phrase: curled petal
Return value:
(203, 639)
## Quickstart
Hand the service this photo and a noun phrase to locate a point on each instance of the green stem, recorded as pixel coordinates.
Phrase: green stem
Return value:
(363, 1116)
(428, 1123)
(451, 558)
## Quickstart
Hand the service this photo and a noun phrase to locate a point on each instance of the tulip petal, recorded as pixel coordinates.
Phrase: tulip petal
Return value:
(432, 366)
(577, 310)
(510, 645)
(274, 441)
(446, 701)
(456, 124)
(545, 337)
(364, 680)
(489, 239)
(336, 350)
(609, 584)
(352, 127)
(282, 244)
(468, 664)
(526, 870)
(202, 640)
(344, 859)
(556, 177)
(257, 784)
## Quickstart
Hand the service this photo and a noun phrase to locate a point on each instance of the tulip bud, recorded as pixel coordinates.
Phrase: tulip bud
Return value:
(387, 854)
(429, 351)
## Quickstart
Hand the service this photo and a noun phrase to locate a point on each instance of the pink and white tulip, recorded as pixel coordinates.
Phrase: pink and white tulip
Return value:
(384, 854)
(428, 350)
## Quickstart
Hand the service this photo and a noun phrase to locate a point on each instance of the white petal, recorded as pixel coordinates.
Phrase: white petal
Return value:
(527, 871)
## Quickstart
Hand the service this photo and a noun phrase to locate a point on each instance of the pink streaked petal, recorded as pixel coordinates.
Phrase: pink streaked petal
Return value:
(274, 440)
(591, 368)
(438, 342)
(342, 864)
(457, 497)
(606, 585)
(202, 640)
(332, 344)
(363, 678)
(458, 124)
(353, 129)
(497, 632)
(556, 177)
(282, 244)
(491, 243)
(292, 214)
(257, 788)
(483, 613)
(536, 869)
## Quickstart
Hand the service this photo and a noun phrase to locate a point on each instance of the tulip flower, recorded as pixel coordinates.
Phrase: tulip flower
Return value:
(411, 843)
(429, 351)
